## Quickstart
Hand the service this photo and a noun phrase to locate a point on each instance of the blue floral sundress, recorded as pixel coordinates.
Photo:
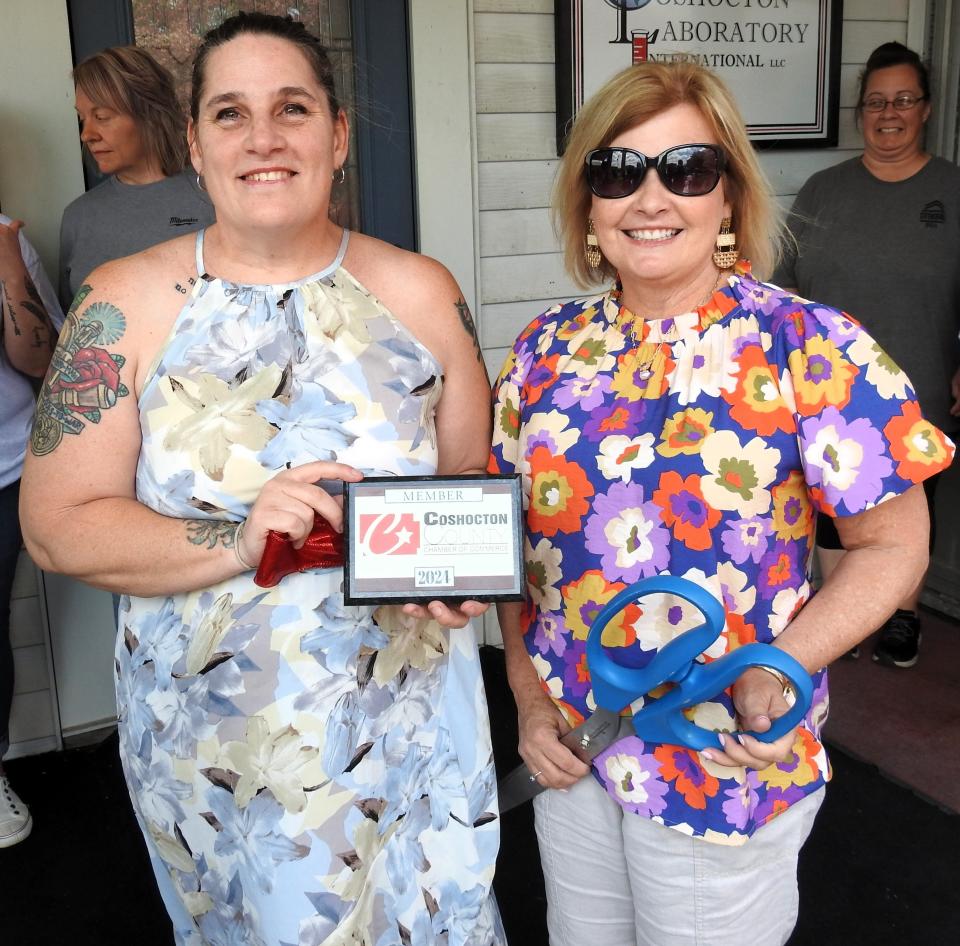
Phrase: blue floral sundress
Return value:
(304, 772)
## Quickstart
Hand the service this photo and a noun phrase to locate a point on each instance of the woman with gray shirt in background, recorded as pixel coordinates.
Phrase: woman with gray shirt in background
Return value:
(879, 235)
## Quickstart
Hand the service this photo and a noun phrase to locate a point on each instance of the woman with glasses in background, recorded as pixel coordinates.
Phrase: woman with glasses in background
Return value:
(690, 420)
(879, 236)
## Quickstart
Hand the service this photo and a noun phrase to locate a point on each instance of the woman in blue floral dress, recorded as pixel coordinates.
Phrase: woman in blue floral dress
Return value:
(304, 772)
(693, 421)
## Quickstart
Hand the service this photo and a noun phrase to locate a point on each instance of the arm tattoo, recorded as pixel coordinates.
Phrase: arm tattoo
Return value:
(466, 319)
(44, 334)
(83, 380)
(182, 289)
(10, 310)
(210, 532)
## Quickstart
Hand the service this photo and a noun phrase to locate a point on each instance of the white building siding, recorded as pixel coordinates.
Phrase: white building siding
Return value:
(33, 723)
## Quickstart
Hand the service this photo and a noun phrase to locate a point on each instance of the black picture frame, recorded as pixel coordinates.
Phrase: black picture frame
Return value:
(710, 23)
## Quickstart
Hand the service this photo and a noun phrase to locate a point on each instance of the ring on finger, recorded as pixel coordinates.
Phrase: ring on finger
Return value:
(536, 775)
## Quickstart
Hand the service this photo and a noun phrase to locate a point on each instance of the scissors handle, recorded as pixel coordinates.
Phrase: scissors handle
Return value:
(664, 720)
(616, 686)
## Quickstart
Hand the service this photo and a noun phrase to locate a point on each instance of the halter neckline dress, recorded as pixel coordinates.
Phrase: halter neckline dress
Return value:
(304, 772)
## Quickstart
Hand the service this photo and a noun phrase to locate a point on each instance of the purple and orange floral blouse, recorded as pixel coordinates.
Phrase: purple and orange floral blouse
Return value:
(702, 446)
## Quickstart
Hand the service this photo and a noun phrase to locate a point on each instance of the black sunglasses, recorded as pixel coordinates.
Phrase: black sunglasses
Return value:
(687, 170)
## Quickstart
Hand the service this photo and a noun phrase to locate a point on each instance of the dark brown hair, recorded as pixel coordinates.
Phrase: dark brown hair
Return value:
(264, 24)
(893, 54)
(129, 80)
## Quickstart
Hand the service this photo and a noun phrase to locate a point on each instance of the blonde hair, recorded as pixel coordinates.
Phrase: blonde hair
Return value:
(130, 81)
(632, 97)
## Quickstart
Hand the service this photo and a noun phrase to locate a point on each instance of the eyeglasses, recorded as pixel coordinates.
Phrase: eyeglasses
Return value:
(902, 103)
(687, 170)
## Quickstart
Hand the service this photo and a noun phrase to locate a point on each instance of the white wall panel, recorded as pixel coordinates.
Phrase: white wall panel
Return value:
(513, 6)
(848, 134)
(512, 278)
(860, 39)
(514, 37)
(40, 165)
(494, 358)
(491, 628)
(849, 83)
(516, 232)
(83, 631)
(875, 10)
(517, 137)
(508, 184)
(503, 321)
(24, 578)
(788, 170)
(26, 624)
(516, 87)
(30, 672)
(31, 718)
(442, 101)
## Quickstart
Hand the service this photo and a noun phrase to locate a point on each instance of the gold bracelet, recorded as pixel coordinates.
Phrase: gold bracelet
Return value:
(786, 684)
(236, 548)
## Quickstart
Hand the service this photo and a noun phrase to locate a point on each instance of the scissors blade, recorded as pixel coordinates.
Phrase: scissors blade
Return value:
(586, 741)
(600, 729)
(516, 788)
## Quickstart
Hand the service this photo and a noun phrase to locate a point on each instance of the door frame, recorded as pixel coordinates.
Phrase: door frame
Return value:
(441, 54)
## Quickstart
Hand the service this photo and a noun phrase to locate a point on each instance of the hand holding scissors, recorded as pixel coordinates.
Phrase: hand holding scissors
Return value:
(616, 686)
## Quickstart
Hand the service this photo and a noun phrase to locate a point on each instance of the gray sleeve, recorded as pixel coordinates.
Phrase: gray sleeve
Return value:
(785, 274)
(66, 254)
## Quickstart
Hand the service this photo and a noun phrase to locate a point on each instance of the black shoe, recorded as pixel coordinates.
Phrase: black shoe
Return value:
(899, 641)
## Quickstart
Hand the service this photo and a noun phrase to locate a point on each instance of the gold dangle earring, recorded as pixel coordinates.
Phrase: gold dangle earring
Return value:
(592, 249)
(726, 254)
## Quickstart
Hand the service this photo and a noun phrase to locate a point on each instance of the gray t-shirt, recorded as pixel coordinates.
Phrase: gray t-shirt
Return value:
(115, 220)
(16, 391)
(888, 253)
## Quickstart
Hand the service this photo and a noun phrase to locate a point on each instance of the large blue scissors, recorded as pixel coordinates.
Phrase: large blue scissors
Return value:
(662, 720)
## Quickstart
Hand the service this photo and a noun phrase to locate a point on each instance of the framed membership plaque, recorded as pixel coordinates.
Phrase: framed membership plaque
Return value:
(433, 538)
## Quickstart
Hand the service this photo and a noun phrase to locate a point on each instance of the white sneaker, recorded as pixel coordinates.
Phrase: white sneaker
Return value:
(15, 820)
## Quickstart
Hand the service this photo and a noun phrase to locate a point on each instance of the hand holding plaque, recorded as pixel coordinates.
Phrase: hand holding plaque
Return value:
(290, 507)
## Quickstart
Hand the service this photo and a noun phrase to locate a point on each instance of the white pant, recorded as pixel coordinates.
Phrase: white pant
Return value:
(616, 878)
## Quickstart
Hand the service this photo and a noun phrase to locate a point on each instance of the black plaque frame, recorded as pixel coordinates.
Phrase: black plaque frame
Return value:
(473, 590)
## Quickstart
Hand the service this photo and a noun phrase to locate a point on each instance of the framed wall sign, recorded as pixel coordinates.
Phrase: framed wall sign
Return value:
(780, 58)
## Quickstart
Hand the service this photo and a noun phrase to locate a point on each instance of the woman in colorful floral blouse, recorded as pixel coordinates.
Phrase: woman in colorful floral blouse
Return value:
(691, 421)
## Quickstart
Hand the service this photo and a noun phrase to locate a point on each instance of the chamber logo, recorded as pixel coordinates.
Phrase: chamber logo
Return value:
(389, 533)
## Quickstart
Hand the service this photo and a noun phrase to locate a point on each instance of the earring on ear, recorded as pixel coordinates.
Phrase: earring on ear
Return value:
(592, 249)
(339, 176)
(726, 254)
(200, 183)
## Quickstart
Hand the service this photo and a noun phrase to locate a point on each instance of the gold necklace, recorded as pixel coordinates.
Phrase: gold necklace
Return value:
(650, 355)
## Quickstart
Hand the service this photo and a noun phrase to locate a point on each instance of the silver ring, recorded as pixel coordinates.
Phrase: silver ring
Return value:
(536, 775)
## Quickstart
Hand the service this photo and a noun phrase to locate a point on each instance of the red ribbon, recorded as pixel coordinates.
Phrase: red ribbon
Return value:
(323, 549)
